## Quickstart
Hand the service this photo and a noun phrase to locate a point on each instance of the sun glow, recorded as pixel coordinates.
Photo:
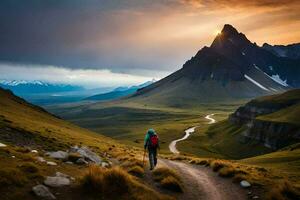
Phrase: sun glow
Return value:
(217, 32)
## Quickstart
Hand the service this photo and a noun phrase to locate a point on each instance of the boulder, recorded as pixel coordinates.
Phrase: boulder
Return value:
(81, 161)
(69, 162)
(40, 159)
(34, 151)
(87, 153)
(61, 155)
(51, 163)
(2, 145)
(104, 164)
(245, 184)
(42, 191)
(55, 181)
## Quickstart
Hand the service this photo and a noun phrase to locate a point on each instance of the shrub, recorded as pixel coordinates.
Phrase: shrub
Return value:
(283, 191)
(170, 183)
(136, 171)
(238, 178)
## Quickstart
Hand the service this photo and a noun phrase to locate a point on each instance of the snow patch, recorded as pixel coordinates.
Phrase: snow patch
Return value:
(211, 75)
(255, 82)
(243, 54)
(273, 89)
(256, 66)
(277, 79)
(271, 68)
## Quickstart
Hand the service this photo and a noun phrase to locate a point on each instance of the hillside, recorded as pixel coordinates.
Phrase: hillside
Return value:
(231, 68)
(42, 155)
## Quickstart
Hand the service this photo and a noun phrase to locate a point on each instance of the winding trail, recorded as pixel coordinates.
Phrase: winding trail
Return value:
(201, 182)
(188, 132)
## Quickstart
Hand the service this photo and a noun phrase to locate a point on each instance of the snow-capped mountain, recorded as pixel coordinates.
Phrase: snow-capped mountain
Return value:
(231, 68)
(32, 87)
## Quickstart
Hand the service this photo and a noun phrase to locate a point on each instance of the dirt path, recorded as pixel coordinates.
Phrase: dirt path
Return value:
(201, 183)
(188, 132)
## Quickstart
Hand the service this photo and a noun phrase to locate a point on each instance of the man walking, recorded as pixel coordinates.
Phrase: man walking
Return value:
(151, 143)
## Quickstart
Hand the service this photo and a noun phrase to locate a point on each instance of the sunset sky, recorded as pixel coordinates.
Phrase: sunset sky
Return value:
(123, 42)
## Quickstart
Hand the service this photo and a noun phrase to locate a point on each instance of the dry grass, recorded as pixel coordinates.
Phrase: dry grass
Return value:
(115, 183)
(107, 182)
(29, 168)
(227, 172)
(136, 171)
(171, 183)
(283, 191)
(168, 179)
(216, 165)
(12, 177)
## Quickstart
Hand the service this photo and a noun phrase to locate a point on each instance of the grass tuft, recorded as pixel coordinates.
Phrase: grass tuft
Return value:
(171, 183)
(227, 172)
(29, 168)
(136, 171)
(283, 191)
(216, 165)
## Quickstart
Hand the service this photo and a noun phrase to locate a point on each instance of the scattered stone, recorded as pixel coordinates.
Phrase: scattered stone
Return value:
(81, 161)
(42, 191)
(249, 193)
(40, 159)
(2, 145)
(34, 151)
(62, 155)
(13, 156)
(69, 162)
(87, 153)
(51, 163)
(104, 164)
(245, 184)
(56, 181)
(255, 197)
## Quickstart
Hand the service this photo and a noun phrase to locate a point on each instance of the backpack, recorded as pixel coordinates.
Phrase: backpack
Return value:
(153, 141)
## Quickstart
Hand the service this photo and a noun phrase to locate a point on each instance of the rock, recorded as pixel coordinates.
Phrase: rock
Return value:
(81, 161)
(40, 159)
(87, 153)
(69, 162)
(34, 151)
(51, 163)
(13, 156)
(62, 155)
(104, 164)
(2, 145)
(249, 193)
(42, 191)
(255, 197)
(245, 184)
(54, 181)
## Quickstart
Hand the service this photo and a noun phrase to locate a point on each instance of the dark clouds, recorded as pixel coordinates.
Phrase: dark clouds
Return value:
(129, 35)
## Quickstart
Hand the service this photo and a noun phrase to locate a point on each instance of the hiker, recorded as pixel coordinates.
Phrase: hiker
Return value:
(152, 144)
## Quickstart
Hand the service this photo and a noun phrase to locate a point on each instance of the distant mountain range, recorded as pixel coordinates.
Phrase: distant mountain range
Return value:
(289, 51)
(118, 92)
(231, 68)
(22, 87)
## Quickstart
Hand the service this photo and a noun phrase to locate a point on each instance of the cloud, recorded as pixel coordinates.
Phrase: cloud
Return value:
(90, 78)
(133, 36)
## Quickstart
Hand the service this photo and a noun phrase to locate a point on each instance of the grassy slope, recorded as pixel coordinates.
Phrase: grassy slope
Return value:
(22, 124)
(128, 122)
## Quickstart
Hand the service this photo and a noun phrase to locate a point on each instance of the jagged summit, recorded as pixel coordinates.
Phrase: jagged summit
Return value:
(231, 68)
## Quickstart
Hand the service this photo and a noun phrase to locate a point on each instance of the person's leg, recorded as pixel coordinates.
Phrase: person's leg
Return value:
(151, 159)
(155, 157)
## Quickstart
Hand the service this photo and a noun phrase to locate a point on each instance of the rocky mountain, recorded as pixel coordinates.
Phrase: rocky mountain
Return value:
(231, 68)
(118, 92)
(22, 87)
(271, 120)
(289, 51)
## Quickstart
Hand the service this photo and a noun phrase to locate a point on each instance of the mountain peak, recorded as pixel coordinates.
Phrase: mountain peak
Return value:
(229, 30)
